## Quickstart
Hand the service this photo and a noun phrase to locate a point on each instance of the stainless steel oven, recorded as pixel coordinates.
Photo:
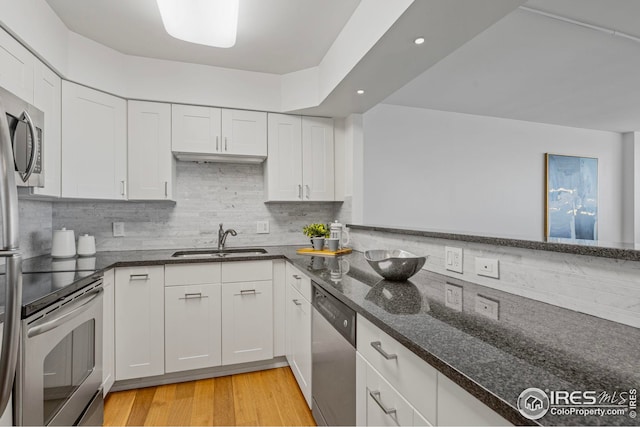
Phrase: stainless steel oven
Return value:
(60, 367)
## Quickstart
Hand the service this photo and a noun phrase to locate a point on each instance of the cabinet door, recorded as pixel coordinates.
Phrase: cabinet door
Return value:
(16, 67)
(283, 168)
(150, 165)
(317, 158)
(47, 97)
(385, 406)
(299, 355)
(192, 327)
(247, 322)
(139, 320)
(244, 133)
(457, 407)
(108, 333)
(94, 144)
(195, 129)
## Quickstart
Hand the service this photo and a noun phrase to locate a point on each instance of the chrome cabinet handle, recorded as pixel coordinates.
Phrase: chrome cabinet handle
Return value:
(124, 187)
(300, 191)
(378, 346)
(225, 144)
(296, 302)
(194, 295)
(34, 147)
(295, 276)
(138, 277)
(248, 292)
(308, 191)
(166, 189)
(217, 143)
(375, 395)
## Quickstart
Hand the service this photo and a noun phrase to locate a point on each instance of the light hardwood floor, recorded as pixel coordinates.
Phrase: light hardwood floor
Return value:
(265, 398)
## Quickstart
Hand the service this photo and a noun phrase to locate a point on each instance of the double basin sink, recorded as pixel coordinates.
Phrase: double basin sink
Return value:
(219, 253)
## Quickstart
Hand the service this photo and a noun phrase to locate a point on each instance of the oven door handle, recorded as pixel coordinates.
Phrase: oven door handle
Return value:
(77, 307)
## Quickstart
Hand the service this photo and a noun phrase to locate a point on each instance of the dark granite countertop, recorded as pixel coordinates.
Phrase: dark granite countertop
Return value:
(624, 251)
(533, 344)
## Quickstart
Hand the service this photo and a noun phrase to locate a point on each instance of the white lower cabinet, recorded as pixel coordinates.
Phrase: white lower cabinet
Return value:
(299, 340)
(139, 322)
(457, 407)
(108, 332)
(247, 322)
(192, 327)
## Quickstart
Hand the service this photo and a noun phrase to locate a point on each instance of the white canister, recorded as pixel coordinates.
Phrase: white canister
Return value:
(63, 244)
(86, 245)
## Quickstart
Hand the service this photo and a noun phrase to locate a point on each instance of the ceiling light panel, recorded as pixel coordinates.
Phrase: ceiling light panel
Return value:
(208, 22)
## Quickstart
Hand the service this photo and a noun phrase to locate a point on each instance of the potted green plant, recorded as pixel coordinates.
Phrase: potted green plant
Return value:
(317, 233)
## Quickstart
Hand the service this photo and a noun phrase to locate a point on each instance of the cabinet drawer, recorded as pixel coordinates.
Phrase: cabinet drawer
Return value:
(385, 406)
(411, 376)
(299, 281)
(247, 271)
(192, 274)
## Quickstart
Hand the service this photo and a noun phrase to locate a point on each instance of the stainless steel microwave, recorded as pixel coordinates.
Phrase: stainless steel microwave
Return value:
(26, 127)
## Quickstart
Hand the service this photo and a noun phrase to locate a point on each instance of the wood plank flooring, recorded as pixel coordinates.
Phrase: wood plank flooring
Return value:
(264, 398)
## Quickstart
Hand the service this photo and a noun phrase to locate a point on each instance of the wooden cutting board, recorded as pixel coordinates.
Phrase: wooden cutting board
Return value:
(324, 252)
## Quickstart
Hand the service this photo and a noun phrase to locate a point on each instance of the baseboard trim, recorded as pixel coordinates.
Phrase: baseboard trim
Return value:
(199, 374)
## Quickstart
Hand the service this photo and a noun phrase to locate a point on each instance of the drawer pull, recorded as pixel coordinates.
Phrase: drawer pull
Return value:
(375, 395)
(195, 295)
(138, 277)
(378, 346)
(295, 276)
(296, 302)
(248, 292)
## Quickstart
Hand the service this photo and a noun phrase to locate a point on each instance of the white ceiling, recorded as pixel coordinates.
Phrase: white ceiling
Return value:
(535, 68)
(274, 36)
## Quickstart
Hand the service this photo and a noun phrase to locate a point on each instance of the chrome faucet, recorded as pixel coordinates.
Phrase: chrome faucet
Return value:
(222, 236)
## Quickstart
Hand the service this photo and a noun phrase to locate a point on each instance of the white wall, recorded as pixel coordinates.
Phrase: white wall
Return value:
(473, 174)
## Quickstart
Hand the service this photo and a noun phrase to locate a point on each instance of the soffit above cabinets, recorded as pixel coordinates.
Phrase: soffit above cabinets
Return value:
(537, 68)
(274, 36)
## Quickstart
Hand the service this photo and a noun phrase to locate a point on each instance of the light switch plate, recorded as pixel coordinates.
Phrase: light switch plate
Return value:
(262, 227)
(453, 259)
(487, 267)
(453, 296)
(118, 229)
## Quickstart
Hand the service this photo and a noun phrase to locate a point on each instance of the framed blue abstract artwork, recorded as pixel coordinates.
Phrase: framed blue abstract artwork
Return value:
(572, 198)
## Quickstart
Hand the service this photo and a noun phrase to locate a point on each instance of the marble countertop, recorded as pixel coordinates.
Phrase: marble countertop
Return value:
(532, 344)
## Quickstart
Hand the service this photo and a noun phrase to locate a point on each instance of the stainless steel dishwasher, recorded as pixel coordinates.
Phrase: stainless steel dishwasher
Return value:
(333, 375)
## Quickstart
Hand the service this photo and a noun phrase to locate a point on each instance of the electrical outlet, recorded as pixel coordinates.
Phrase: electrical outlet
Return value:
(487, 267)
(487, 307)
(118, 229)
(262, 227)
(453, 296)
(453, 259)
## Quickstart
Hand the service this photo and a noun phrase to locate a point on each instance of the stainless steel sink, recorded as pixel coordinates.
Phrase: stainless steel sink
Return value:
(219, 253)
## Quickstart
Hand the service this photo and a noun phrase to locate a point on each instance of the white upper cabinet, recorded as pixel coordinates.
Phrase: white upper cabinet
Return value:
(317, 158)
(195, 130)
(244, 133)
(47, 97)
(300, 164)
(16, 67)
(151, 166)
(94, 144)
(214, 134)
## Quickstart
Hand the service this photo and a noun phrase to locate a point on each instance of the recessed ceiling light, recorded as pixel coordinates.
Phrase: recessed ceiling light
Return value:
(208, 22)
(419, 40)
(360, 92)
